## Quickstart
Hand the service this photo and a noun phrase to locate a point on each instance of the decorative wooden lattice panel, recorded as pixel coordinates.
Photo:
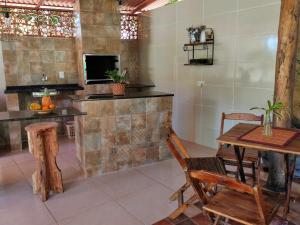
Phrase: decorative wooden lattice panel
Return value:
(129, 27)
(44, 23)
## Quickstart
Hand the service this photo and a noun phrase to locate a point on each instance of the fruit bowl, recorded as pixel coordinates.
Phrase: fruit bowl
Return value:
(43, 112)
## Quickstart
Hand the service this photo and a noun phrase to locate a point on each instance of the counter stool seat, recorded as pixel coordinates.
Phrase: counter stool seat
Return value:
(43, 145)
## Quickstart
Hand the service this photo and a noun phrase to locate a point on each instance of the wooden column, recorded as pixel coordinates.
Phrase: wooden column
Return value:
(42, 141)
(284, 79)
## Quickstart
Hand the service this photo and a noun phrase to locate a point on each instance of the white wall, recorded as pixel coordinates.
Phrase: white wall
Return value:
(244, 69)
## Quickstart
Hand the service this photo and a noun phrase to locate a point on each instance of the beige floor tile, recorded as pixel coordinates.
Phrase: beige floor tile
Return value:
(23, 156)
(18, 206)
(123, 183)
(6, 160)
(10, 175)
(149, 205)
(78, 196)
(109, 213)
(163, 170)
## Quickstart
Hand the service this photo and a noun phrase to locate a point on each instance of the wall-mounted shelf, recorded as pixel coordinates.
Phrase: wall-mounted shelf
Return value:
(201, 53)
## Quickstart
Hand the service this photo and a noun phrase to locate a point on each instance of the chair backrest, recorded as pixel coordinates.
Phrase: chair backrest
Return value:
(241, 117)
(203, 177)
(178, 151)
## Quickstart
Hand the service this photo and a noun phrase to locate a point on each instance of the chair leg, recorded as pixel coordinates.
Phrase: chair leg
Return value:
(175, 195)
(217, 220)
(181, 209)
(253, 172)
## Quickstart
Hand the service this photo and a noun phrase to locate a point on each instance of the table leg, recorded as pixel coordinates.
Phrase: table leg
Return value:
(258, 168)
(240, 163)
(290, 169)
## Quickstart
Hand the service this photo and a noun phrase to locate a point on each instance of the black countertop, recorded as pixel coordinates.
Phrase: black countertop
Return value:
(29, 115)
(32, 88)
(128, 95)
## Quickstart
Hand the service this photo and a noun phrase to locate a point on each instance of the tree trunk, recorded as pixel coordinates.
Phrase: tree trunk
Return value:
(284, 81)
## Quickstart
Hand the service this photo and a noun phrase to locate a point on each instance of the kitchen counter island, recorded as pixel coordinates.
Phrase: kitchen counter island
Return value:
(121, 132)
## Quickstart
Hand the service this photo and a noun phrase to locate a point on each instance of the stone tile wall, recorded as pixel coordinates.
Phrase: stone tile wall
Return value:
(120, 134)
(25, 60)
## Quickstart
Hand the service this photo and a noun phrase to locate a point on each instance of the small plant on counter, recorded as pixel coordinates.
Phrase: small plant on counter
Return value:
(277, 109)
(118, 87)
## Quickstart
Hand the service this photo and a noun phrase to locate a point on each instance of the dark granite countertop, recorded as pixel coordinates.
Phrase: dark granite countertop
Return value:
(140, 86)
(128, 95)
(32, 88)
(29, 115)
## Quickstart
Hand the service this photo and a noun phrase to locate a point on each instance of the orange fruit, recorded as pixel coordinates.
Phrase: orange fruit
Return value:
(45, 107)
(51, 106)
(35, 106)
(46, 101)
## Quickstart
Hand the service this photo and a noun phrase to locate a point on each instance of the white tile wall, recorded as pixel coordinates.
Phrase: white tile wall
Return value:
(244, 70)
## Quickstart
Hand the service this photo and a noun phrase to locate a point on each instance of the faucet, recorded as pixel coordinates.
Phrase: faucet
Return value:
(44, 77)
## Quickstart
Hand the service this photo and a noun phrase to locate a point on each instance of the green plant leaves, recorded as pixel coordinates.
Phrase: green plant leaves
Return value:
(276, 108)
(115, 76)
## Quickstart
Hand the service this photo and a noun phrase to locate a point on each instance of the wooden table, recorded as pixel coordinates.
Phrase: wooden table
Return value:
(290, 152)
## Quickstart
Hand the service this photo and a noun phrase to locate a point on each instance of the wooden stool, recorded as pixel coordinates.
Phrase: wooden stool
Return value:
(42, 141)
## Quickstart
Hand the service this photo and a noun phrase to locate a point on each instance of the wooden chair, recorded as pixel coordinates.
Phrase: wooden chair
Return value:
(236, 201)
(180, 153)
(227, 153)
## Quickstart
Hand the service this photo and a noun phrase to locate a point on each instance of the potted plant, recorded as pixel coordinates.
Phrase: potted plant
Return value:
(271, 109)
(118, 87)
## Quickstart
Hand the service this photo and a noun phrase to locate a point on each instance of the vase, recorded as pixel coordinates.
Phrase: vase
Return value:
(203, 36)
(267, 131)
(118, 89)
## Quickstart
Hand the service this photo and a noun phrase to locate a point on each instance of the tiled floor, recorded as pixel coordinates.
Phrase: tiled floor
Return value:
(134, 197)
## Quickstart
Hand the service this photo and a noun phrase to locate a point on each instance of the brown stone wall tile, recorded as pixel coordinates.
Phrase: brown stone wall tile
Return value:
(152, 152)
(108, 124)
(92, 108)
(123, 106)
(47, 43)
(123, 123)
(60, 56)
(123, 157)
(109, 162)
(138, 105)
(123, 138)
(36, 68)
(93, 159)
(138, 136)
(34, 56)
(107, 108)
(87, 5)
(153, 134)
(91, 124)
(164, 152)
(139, 156)
(165, 119)
(47, 56)
(89, 172)
(152, 104)
(152, 120)
(92, 141)
(138, 121)
(108, 139)
(63, 44)
(166, 103)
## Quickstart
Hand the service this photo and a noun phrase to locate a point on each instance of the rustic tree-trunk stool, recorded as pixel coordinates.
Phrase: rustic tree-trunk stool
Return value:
(42, 141)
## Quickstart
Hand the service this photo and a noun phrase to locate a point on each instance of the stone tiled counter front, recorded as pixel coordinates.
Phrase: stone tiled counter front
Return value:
(122, 133)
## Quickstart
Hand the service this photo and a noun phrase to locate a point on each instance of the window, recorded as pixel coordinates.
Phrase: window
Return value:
(44, 23)
(129, 27)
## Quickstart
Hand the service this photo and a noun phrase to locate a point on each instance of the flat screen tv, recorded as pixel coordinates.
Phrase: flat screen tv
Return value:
(95, 67)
